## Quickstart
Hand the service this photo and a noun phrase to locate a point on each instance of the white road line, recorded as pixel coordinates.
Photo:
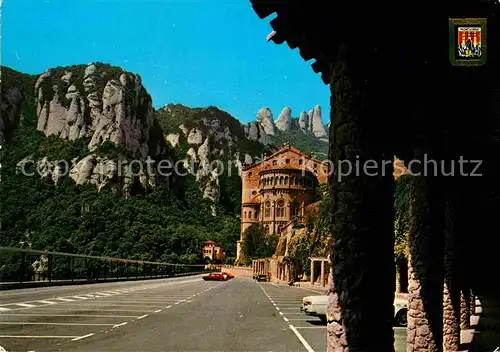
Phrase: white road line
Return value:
(70, 315)
(82, 337)
(35, 337)
(47, 302)
(65, 299)
(277, 308)
(25, 305)
(299, 336)
(158, 311)
(79, 297)
(306, 319)
(142, 317)
(48, 323)
(3, 309)
(281, 313)
(168, 307)
(51, 309)
(118, 325)
(285, 319)
(301, 339)
(104, 294)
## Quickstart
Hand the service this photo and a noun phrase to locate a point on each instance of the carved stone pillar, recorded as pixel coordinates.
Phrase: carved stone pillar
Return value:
(472, 303)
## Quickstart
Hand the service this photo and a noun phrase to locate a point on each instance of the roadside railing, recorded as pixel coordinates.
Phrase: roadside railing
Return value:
(29, 267)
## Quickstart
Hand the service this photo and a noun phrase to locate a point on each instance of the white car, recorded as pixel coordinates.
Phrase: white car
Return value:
(316, 306)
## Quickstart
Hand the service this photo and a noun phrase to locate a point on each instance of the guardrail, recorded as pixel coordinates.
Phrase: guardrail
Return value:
(30, 267)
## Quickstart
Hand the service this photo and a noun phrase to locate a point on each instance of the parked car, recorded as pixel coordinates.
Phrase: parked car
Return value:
(316, 306)
(215, 277)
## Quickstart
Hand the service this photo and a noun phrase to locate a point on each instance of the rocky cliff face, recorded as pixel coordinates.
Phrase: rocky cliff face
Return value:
(98, 101)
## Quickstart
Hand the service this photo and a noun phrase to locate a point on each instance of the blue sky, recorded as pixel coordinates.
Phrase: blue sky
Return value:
(198, 53)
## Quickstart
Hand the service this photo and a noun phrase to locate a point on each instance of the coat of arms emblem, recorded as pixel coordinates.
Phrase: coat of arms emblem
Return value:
(467, 41)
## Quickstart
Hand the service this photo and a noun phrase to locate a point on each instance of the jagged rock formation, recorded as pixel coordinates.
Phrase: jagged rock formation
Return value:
(284, 122)
(97, 101)
(265, 130)
(265, 119)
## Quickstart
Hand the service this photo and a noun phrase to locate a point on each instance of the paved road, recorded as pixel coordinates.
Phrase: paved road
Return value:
(180, 314)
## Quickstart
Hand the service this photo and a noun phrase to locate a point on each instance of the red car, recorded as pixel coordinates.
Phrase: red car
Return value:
(215, 277)
(229, 275)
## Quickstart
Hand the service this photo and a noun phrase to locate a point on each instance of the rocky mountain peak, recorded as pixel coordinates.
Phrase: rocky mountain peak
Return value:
(265, 119)
(98, 101)
(284, 122)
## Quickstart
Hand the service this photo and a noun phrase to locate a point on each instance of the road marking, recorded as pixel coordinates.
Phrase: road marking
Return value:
(310, 327)
(71, 315)
(299, 336)
(36, 337)
(306, 319)
(301, 339)
(158, 311)
(142, 317)
(285, 319)
(65, 299)
(3, 309)
(48, 323)
(103, 294)
(51, 309)
(277, 308)
(281, 313)
(47, 302)
(118, 325)
(168, 307)
(25, 305)
(82, 337)
(80, 297)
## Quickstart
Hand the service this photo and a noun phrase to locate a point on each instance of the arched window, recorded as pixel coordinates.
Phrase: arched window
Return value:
(286, 180)
(295, 210)
(276, 180)
(292, 180)
(281, 180)
(267, 209)
(256, 214)
(249, 214)
(245, 216)
(280, 208)
(296, 181)
(266, 228)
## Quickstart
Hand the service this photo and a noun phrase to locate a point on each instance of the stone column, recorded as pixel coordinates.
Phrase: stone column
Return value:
(425, 267)
(398, 283)
(312, 271)
(472, 303)
(322, 280)
(451, 291)
(464, 309)
(335, 329)
(362, 202)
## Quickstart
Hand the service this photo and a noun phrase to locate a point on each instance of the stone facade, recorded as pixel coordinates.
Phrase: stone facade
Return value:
(278, 190)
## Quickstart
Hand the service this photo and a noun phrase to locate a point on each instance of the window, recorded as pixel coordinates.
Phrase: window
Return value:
(275, 162)
(296, 181)
(254, 193)
(295, 210)
(276, 180)
(249, 214)
(256, 214)
(281, 208)
(244, 216)
(292, 180)
(266, 228)
(267, 209)
(281, 180)
(249, 174)
(301, 161)
(286, 180)
(287, 161)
